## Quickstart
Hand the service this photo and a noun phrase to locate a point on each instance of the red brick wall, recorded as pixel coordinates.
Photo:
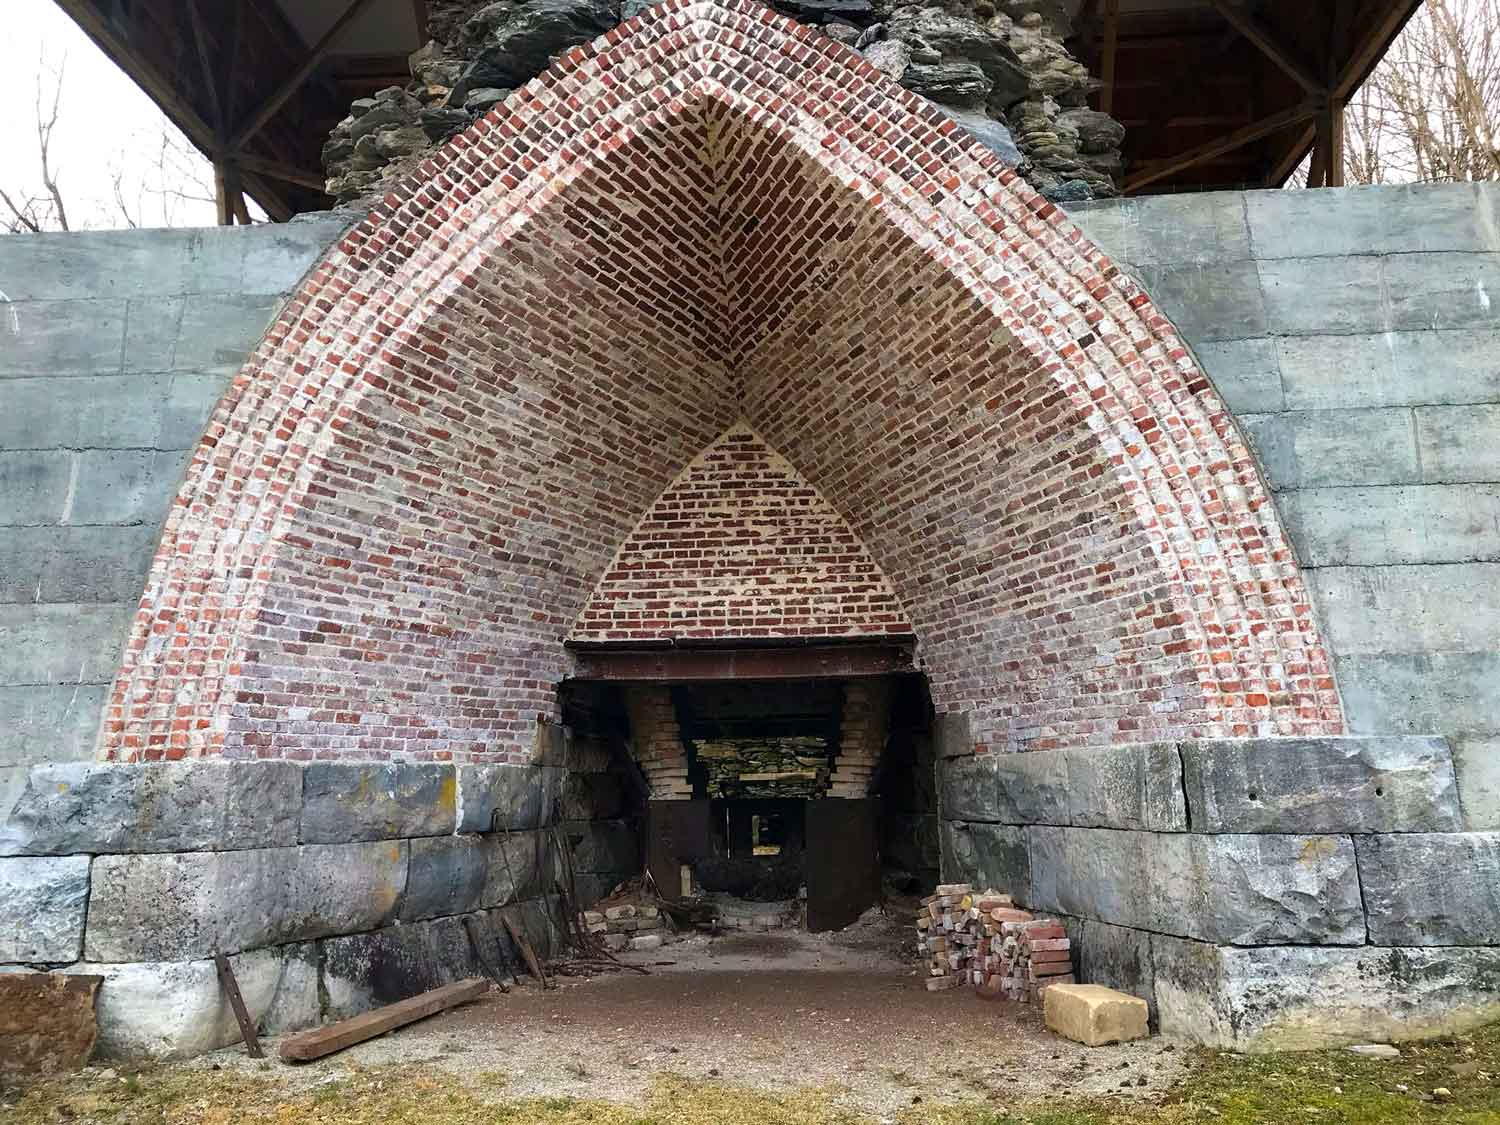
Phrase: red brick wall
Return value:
(405, 499)
(740, 546)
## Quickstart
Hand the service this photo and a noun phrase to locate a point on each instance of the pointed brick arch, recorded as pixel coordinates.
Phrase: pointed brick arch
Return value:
(740, 546)
(404, 500)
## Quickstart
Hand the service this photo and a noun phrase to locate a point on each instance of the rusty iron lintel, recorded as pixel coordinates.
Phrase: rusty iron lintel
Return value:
(841, 662)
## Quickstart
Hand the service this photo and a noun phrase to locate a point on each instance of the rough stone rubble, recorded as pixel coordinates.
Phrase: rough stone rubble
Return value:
(998, 66)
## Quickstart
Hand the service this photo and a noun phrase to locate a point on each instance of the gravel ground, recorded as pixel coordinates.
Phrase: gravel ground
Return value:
(771, 1011)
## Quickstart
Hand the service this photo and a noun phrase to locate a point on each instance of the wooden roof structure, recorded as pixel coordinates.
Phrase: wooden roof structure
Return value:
(1213, 93)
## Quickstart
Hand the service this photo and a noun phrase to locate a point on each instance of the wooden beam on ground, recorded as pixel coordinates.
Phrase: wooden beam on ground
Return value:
(322, 1041)
(231, 989)
(1253, 30)
(1111, 51)
(1228, 143)
(272, 105)
(812, 662)
(278, 171)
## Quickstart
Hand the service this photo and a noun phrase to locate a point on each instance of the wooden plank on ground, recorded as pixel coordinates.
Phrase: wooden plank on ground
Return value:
(231, 989)
(346, 1033)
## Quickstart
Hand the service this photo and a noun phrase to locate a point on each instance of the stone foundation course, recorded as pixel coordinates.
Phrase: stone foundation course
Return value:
(1260, 894)
(333, 887)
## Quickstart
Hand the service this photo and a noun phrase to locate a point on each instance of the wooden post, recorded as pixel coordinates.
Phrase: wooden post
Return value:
(222, 204)
(231, 989)
(1111, 48)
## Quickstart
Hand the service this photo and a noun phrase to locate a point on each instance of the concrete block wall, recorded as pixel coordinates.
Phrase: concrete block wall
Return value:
(1355, 334)
(114, 348)
(1259, 894)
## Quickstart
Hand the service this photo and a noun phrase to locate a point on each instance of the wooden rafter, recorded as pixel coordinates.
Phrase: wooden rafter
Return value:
(278, 171)
(1111, 52)
(1227, 143)
(1372, 44)
(272, 105)
(1253, 30)
(210, 79)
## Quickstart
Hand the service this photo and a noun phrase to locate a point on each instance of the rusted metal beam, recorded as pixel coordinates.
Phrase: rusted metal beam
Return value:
(812, 662)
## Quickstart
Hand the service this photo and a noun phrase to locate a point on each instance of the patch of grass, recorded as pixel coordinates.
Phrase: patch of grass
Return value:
(1316, 1088)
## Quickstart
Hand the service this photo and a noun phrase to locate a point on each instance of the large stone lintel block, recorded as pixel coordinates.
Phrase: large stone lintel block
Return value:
(967, 787)
(185, 906)
(603, 847)
(1321, 785)
(508, 797)
(459, 874)
(1116, 957)
(953, 735)
(73, 807)
(42, 908)
(1431, 888)
(177, 1009)
(1242, 890)
(1302, 997)
(344, 802)
(1129, 787)
(364, 971)
(987, 855)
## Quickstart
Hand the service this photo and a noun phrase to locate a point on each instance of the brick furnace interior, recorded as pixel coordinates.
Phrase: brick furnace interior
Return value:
(774, 801)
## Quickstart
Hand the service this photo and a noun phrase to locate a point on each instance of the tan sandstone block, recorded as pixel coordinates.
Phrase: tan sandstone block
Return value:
(1094, 1015)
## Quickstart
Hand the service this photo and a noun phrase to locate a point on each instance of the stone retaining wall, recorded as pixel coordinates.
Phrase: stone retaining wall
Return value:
(114, 348)
(335, 887)
(1259, 894)
(1354, 333)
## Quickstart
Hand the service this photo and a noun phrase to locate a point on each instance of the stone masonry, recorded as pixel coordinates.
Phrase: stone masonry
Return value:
(998, 68)
(334, 887)
(1258, 894)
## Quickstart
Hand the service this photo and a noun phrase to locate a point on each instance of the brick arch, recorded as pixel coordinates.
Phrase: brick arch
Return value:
(709, 213)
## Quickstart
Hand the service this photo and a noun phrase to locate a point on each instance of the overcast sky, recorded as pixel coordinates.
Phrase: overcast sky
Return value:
(106, 125)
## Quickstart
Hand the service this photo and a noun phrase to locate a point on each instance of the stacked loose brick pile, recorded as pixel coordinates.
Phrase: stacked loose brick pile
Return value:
(627, 926)
(985, 940)
(1021, 957)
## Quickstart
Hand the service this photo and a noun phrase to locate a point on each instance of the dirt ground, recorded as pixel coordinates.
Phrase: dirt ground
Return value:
(768, 1011)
